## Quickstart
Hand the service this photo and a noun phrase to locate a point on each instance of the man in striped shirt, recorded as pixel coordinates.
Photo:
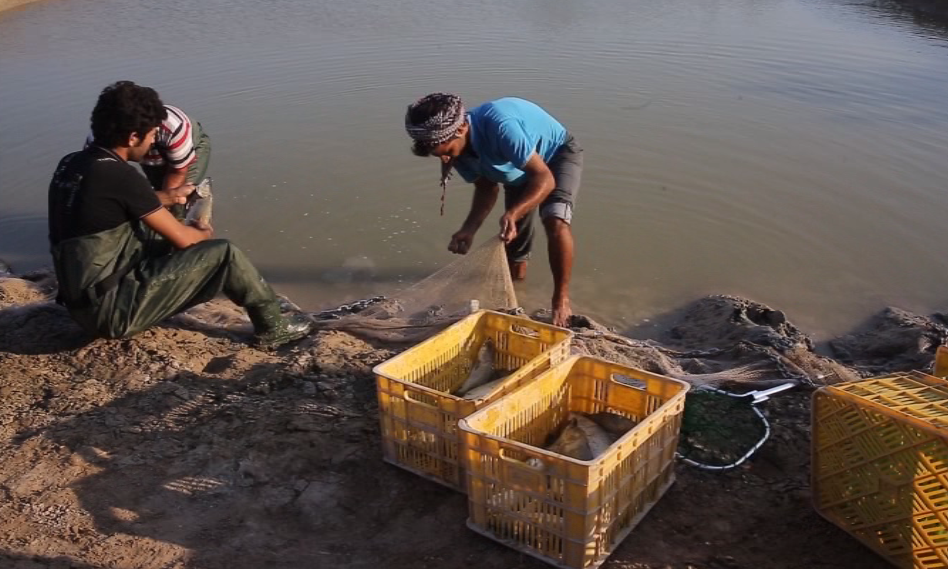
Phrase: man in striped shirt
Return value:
(180, 153)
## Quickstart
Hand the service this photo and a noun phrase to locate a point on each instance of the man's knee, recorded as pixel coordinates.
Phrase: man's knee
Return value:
(222, 247)
(556, 226)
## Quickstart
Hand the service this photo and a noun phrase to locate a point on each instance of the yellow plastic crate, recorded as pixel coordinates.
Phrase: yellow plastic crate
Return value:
(419, 415)
(567, 512)
(880, 465)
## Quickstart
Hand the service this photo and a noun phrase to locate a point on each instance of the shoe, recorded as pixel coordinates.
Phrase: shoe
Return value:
(290, 328)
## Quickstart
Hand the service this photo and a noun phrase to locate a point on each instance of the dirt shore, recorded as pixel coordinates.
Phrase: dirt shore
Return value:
(184, 448)
(8, 4)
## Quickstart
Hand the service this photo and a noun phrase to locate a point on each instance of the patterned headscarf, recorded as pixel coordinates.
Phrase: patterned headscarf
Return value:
(440, 127)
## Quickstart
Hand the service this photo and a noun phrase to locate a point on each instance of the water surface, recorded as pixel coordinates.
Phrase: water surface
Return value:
(790, 151)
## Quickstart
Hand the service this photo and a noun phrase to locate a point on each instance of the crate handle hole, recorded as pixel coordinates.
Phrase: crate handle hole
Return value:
(629, 380)
(530, 462)
(524, 331)
(420, 399)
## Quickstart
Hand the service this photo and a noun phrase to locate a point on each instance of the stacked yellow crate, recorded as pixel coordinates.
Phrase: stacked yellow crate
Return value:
(568, 512)
(417, 410)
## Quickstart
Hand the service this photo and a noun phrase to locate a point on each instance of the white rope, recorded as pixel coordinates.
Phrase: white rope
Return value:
(756, 397)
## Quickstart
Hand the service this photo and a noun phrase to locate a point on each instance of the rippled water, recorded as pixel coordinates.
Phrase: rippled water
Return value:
(791, 151)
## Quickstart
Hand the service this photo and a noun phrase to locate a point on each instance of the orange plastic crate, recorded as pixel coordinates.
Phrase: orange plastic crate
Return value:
(419, 415)
(567, 512)
(880, 465)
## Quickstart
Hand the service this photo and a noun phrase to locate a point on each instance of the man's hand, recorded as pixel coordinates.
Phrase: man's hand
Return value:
(180, 235)
(175, 196)
(461, 241)
(508, 228)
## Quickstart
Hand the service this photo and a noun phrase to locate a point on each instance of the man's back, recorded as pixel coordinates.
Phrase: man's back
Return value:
(94, 190)
(504, 134)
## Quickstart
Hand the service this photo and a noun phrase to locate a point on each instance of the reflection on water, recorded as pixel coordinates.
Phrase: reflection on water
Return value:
(791, 151)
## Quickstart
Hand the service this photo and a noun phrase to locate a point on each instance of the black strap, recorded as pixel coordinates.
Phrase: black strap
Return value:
(106, 285)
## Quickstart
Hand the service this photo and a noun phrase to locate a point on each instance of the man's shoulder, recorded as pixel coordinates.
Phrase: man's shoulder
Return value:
(494, 116)
(175, 117)
(87, 159)
(106, 161)
(504, 107)
(102, 166)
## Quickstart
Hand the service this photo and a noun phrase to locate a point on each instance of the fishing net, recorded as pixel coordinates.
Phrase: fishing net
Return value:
(719, 341)
(428, 306)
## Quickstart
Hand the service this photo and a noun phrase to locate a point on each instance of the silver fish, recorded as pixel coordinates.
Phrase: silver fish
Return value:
(199, 210)
(581, 438)
(572, 442)
(203, 189)
(482, 371)
(598, 440)
(482, 391)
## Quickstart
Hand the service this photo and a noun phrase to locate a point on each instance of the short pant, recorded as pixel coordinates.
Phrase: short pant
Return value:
(567, 168)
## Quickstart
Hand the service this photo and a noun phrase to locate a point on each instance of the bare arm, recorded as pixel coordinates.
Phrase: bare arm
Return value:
(175, 189)
(175, 177)
(485, 195)
(180, 235)
(540, 183)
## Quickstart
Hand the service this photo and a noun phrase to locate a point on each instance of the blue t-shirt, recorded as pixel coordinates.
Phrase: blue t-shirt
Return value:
(504, 134)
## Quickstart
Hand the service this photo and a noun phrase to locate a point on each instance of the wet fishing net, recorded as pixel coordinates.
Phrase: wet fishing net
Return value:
(430, 305)
(718, 341)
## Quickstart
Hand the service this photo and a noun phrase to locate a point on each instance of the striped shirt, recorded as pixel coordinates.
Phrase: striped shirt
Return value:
(174, 144)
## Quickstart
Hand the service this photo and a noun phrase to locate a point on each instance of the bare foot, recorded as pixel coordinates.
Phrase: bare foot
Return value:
(562, 313)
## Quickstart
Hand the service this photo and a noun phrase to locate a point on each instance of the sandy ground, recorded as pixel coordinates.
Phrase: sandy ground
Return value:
(184, 447)
(7, 4)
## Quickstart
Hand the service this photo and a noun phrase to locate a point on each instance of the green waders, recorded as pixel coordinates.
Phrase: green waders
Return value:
(114, 290)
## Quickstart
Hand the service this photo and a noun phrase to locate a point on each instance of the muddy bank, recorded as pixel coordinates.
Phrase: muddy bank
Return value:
(183, 447)
(8, 4)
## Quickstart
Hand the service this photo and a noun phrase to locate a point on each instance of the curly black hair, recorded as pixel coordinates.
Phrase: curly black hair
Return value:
(123, 109)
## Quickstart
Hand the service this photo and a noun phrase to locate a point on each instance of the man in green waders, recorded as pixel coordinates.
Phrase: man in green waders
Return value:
(101, 211)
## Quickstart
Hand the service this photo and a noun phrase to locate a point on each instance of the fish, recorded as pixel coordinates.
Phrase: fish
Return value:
(199, 210)
(482, 371)
(572, 441)
(482, 391)
(598, 440)
(612, 423)
(581, 438)
(203, 189)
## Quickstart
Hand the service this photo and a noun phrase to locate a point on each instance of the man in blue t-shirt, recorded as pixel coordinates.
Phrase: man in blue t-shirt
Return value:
(516, 143)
